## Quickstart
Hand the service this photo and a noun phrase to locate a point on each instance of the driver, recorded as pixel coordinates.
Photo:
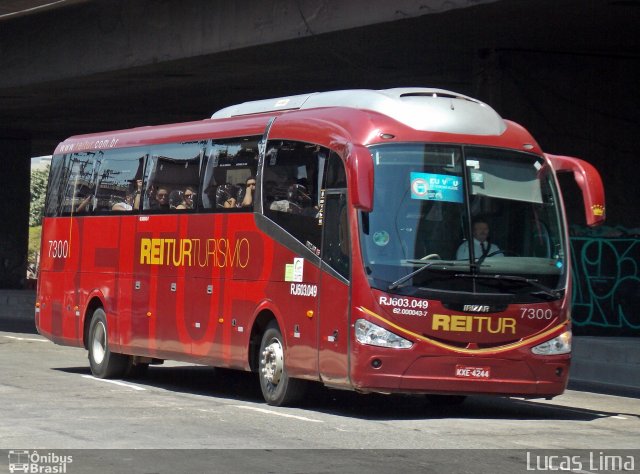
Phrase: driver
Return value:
(482, 247)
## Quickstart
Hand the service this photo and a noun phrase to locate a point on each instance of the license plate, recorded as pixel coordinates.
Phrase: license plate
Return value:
(464, 371)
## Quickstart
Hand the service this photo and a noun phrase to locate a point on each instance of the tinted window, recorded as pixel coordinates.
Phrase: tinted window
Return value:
(230, 165)
(119, 184)
(71, 184)
(291, 188)
(172, 170)
(336, 250)
(55, 190)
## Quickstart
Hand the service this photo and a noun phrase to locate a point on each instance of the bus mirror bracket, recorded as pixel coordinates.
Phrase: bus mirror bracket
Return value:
(360, 166)
(589, 182)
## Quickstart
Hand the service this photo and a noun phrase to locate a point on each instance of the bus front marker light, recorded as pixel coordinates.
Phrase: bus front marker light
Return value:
(374, 335)
(556, 346)
(310, 314)
(148, 314)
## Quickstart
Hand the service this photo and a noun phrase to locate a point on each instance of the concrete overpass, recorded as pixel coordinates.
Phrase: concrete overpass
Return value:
(563, 68)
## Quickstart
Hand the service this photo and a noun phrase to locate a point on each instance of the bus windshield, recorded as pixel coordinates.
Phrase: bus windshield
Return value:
(431, 200)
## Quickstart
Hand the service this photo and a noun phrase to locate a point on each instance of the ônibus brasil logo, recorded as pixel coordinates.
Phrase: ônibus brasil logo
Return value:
(34, 462)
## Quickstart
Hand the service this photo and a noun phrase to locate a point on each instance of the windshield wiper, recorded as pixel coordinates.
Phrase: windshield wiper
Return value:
(405, 278)
(530, 281)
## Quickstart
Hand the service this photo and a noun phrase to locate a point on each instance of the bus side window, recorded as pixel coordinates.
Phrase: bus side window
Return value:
(230, 165)
(78, 183)
(55, 193)
(172, 171)
(336, 249)
(120, 180)
(292, 181)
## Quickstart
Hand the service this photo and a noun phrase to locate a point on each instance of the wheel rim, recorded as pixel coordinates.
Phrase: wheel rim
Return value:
(99, 343)
(272, 362)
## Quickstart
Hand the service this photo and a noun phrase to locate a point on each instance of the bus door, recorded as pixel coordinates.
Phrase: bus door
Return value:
(292, 187)
(333, 301)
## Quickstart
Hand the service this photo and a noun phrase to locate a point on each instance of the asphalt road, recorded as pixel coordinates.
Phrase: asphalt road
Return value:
(187, 418)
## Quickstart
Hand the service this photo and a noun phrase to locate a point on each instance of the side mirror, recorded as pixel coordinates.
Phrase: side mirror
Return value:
(360, 170)
(590, 183)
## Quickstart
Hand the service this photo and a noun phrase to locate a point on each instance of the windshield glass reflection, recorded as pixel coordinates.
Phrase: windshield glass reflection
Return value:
(430, 201)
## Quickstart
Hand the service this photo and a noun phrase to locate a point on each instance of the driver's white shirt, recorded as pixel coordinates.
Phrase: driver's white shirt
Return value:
(463, 250)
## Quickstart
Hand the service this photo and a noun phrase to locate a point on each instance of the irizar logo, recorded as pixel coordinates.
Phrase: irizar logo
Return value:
(476, 308)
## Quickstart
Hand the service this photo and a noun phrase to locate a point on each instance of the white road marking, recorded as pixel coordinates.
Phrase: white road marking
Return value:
(116, 382)
(26, 339)
(285, 415)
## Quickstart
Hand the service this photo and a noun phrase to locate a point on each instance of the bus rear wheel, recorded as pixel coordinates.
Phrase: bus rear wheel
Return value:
(278, 389)
(104, 363)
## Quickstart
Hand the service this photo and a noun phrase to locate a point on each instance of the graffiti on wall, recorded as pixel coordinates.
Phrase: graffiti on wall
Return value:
(606, 286)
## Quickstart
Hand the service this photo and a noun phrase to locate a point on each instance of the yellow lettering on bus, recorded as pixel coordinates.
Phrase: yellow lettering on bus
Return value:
(223, 246)
(239, 245)
(498, 326)
(460, 323)
(480, 320)
(440, 321)
(176, 255)
(211, 251)
(186, 251)
(220, 253)
(509, 323)
(156, 252)
(145, 251)
(478, 324)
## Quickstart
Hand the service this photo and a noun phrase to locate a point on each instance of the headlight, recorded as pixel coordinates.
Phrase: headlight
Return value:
(557, 345)
(374, 335)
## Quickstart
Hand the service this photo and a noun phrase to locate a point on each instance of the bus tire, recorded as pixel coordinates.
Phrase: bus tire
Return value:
(104, 363)
(278, 389)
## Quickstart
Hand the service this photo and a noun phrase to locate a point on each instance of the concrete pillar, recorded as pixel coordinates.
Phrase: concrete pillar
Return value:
(14, 210)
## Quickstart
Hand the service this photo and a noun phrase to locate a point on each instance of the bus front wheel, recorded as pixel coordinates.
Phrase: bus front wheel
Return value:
(104, 363)
(278, 389)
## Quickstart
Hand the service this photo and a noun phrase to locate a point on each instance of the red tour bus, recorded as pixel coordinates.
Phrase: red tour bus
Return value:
(321, 237)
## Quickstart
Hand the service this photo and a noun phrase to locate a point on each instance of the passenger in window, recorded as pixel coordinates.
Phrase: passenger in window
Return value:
(160, 199)
(209, 196)
(296, 201)
(269, 193)
(226, 196)
(176, 199)
(189, 197)
(250, 188)
(126, 205)
(137, 195)
(85, 205)
(131, 200)
(300, 200)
